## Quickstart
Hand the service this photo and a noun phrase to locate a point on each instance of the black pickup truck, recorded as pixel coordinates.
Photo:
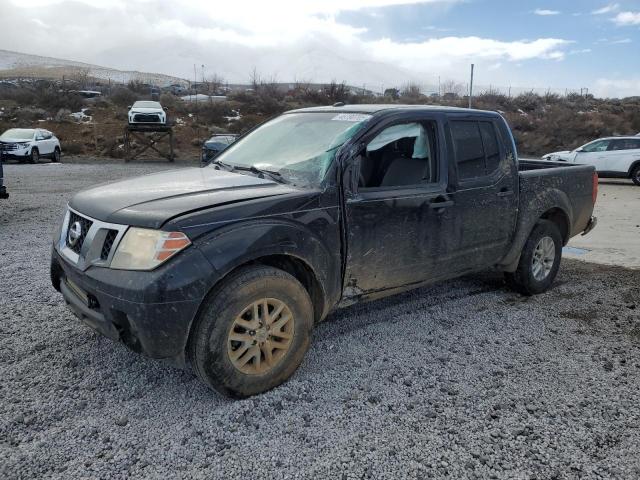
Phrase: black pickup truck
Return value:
(228, 267)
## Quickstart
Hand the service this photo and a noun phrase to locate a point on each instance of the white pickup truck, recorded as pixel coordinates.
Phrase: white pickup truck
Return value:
(613, 157)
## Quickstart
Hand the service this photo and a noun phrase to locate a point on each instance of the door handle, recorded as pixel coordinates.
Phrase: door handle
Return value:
(505, 192)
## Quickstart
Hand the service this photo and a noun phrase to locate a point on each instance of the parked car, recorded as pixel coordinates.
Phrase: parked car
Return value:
(228, 267)
(147, 112)
(30, 145)
(3, 190)
(215, 145)
(613, 157)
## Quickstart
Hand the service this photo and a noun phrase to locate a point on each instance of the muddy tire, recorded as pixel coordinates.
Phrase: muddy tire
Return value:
(635, 175)
(252, 332)
(539, 261)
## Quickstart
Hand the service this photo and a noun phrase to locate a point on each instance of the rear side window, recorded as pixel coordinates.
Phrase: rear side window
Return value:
(467, 143)
(476, 148)
(491, 149)
(625, 144)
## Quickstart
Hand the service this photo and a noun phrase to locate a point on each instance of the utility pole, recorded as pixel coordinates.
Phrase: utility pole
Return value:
(471, 86)
(439, 88)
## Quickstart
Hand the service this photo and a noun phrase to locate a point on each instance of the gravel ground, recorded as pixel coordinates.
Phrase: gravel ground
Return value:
(461, 380)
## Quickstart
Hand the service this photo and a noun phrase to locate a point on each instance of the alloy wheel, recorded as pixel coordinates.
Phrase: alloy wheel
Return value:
(544, 256)
(260, 336)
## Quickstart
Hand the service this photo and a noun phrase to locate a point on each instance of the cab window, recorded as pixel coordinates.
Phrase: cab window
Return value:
(400, 155)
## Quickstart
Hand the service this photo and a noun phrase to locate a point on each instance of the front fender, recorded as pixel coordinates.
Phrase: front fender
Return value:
(241, 243)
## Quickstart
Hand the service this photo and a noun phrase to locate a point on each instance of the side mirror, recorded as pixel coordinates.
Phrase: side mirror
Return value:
(129, 107)
(166, 109)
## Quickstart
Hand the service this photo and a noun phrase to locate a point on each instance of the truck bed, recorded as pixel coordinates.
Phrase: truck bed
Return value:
(570, 185)
(557, 190)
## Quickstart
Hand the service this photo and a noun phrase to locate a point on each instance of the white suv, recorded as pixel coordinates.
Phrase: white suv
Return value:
(30, 144)
(146, 112)
(613, 157)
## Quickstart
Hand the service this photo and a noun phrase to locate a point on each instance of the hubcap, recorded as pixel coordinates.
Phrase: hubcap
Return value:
(543, 257)
(260, 336)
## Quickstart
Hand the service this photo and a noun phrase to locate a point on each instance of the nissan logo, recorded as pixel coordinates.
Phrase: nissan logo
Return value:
(75, 232)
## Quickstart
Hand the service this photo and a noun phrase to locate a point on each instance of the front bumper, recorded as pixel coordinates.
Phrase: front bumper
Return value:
(150, 312)
(16, 155)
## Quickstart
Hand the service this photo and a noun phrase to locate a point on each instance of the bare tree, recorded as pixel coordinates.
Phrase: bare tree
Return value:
(453, 87)
(410, 90)
(214, 83)
(80, 76)
(337, 92)
(255, 80)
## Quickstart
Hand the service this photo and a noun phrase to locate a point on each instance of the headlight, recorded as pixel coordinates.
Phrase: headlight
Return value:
(144, 249)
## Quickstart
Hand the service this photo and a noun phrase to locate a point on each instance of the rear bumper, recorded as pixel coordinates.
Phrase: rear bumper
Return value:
(593, 221)
(150, 312)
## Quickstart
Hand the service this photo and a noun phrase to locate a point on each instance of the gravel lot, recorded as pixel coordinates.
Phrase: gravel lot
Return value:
(461, 380)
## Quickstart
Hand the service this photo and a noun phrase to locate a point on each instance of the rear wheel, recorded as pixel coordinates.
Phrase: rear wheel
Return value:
(252, 333)
(539, 261)
(635, 175)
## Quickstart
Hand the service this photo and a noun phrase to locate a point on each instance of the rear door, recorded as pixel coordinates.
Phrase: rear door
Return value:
(485, 191)
(621, 154)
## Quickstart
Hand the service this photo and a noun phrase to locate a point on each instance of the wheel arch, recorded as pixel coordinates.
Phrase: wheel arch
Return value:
(300, 269)
(632, 167)
(561, 219)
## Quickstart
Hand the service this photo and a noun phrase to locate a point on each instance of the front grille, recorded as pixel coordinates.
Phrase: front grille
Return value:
(146, 118)
(108, 243)
(85, 225)
(8, 147)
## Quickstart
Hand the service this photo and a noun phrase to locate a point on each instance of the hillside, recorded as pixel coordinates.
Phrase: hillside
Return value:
(15, 64)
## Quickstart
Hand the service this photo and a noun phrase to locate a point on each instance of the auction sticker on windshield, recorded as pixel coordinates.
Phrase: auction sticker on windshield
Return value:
(351, 117)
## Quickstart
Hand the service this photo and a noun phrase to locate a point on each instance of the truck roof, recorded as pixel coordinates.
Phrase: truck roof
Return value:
(376, 108)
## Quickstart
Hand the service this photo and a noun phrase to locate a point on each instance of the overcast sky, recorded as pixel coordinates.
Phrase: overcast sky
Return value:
(377, 43)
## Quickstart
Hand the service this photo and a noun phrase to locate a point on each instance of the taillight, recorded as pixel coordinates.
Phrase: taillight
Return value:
(594, 191)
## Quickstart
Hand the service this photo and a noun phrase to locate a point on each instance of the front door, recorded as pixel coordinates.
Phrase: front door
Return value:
(595, 154)
(396, 218)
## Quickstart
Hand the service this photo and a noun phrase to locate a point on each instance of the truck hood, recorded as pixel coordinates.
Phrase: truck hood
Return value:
(151, 200)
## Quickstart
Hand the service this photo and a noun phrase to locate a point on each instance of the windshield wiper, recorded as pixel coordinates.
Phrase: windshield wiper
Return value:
(277, 176)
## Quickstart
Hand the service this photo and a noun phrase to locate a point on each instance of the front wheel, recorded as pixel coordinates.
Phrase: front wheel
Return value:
(539, 261)
(56, 155)
(252, 333)
(35, 156)
(635, 175)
